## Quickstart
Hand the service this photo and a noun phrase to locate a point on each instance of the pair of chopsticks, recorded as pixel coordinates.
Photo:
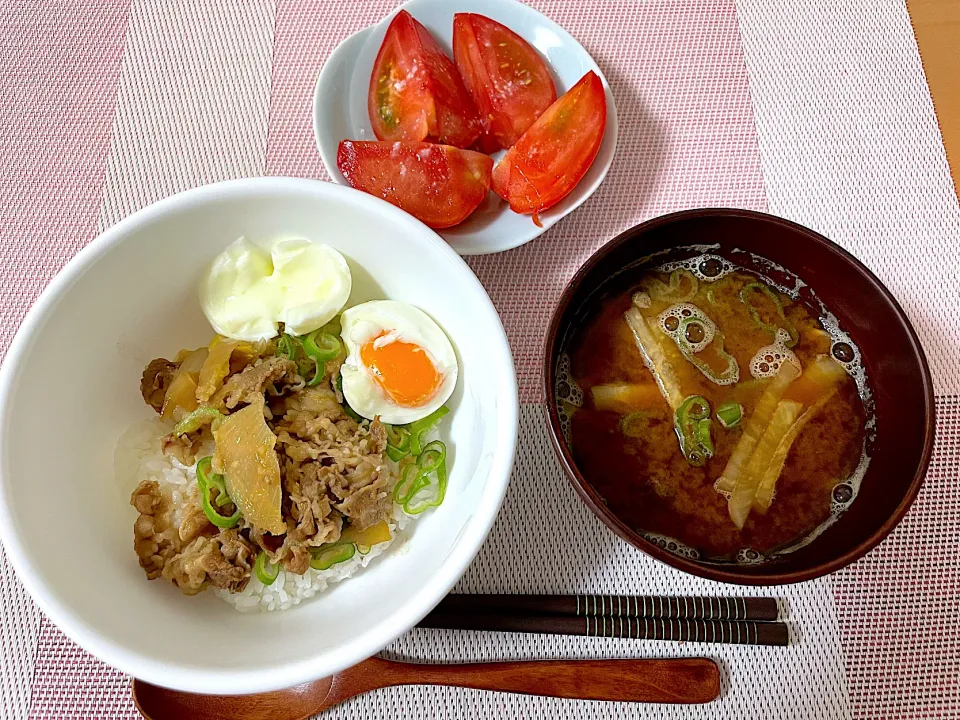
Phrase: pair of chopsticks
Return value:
(733, 620)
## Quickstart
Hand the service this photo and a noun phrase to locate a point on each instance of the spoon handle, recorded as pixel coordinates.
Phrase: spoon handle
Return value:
(688, 680)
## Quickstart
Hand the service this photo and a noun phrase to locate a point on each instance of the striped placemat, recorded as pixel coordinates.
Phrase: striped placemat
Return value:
(816, 110)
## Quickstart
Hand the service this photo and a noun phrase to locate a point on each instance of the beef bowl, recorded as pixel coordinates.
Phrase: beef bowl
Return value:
(293, 551)
(737, 396)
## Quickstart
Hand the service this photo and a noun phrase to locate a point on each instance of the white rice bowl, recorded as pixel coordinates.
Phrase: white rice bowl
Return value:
(130, 296)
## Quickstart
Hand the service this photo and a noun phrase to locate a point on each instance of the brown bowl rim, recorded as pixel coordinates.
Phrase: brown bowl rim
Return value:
(593, 499)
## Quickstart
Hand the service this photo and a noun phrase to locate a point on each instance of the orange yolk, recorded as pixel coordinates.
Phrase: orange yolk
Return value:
(405, 372)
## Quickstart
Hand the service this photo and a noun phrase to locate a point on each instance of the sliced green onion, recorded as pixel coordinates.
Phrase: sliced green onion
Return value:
(204, 470)
(292, 347)
(398, 442)
(199, 417)
(430, 459)
(398, 436)
(318, 375)
(287, 346)
(745, 298)
(416, 478)
(321, 346)
(729, 375)
(396, 454)
(434, 453)
(694, 407)
(423, 481)
(701, 433)
(730, 414)
(265, 570)
(211, 479)
(207, 479)
(404, 440)
(325, 558)
(692, 423)
(414, 507)
(421, 427)
(408, 484)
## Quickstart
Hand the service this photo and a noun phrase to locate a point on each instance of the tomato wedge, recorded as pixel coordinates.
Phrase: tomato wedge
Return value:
(554, 154)
(507, 79)
(416, 92)
(438, 184)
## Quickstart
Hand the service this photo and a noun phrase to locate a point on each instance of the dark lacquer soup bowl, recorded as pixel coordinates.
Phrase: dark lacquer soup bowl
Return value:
(838, 292)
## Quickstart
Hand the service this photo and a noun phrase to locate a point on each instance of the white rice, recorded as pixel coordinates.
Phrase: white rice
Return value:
(138, 457)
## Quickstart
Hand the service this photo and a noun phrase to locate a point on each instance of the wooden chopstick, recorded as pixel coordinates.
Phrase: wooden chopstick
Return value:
(686, 630)
(758, 609)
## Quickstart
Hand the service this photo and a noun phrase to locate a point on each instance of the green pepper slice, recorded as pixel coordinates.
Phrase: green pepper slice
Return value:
(415, 506)
(326, 557)
(321, 346)
(433, 455)
(398, 442)
(265, 570)
(421, 427)
(207, 480)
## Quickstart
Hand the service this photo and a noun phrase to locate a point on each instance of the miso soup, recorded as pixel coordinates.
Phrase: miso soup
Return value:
(714, 412)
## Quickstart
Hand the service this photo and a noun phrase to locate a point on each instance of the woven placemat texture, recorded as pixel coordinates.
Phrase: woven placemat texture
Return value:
(850, 147)
(815, 111)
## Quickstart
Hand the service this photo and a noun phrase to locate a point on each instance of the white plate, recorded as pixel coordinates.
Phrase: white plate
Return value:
(346, 76)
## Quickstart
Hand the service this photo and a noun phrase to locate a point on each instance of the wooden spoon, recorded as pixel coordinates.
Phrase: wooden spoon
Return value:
(691, 680)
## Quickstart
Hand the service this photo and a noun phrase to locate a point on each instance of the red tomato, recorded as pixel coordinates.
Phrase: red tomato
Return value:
(555, 153)
(438, 184)
(508, 80)
(416, 92)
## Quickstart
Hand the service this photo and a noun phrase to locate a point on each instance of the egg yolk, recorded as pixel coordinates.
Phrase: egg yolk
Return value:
(404, 371)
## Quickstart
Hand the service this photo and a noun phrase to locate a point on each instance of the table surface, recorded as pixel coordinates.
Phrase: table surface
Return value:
(816, 110)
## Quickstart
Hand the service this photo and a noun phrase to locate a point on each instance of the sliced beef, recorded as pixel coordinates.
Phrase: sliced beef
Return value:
(333, 472)
(223, 561)
(263, 376)
(185, 447)
(155, 536)
(311, 520)
(155, 380)
(191, 551)
(331, 450)
(194, 523)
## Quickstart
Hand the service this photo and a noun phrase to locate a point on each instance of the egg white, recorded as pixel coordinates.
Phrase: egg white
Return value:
(404, 323)
(249, 289)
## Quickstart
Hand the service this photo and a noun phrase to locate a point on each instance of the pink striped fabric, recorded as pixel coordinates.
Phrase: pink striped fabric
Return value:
(226, 91)
(60, 68)
(60, 71)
